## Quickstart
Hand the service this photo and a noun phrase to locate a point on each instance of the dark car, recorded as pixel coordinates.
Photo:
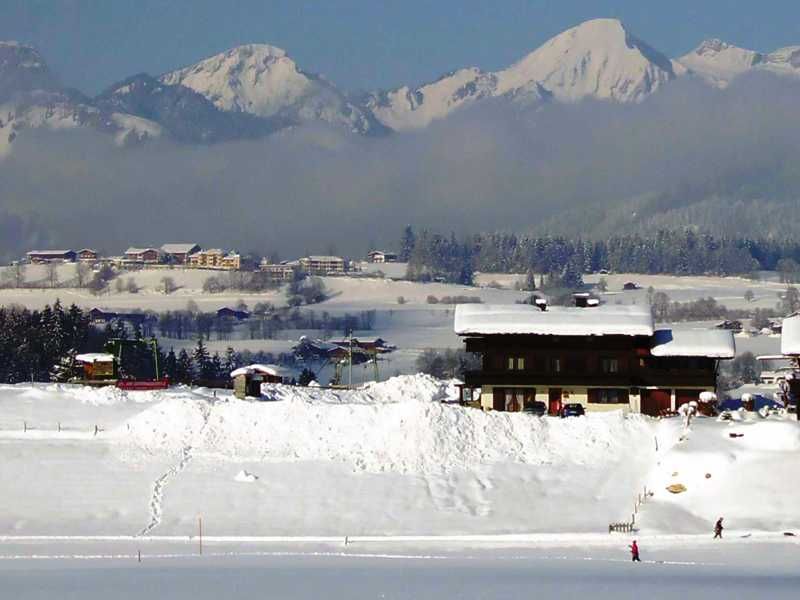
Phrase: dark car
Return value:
(536, 408)
(572, 410)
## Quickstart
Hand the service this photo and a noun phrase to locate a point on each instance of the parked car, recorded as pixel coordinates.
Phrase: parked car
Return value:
(572, 410)
(536, 408)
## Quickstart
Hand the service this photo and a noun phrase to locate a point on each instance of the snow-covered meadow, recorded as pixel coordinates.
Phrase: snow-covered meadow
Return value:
(389, 490)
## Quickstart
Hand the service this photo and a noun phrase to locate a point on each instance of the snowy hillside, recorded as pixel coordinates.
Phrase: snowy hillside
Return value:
(598, 59)
(719, 63)
(262, 80)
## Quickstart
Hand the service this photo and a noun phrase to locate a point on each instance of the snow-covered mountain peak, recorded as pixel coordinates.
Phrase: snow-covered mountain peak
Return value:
(597, 59)
(263, 80)
(255, 78)
(718, 62)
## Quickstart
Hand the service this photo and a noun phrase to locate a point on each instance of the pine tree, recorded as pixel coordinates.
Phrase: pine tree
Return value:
(202, 360)
(184, 369)
(407, 244)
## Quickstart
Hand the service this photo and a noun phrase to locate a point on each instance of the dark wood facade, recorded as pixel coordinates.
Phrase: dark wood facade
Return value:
(597, 371)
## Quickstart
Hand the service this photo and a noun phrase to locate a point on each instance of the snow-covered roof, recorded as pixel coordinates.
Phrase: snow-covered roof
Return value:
(93, 357)
(320, 258)
(50, 251)
(134, 250)
(178, 248)
(710, 343)
(488, 319)
(273, 370)
(790, 336)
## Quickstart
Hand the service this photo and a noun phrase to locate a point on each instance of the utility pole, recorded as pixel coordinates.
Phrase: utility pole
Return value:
(350, 368)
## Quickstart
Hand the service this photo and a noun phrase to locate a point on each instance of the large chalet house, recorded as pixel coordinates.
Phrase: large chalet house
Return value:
(143, 256)
(47, 256)
(215, 259)
(178, 254)
(603, 357)
(322, 265)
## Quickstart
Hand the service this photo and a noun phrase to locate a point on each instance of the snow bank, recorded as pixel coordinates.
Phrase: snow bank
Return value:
(392, 426)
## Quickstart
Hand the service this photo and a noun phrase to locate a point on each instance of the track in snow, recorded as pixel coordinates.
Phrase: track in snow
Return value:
(157, 497)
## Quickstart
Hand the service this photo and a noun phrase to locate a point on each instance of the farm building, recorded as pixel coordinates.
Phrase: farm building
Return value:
(247, 380)
(379, 256)
(232, 313)
(46, 256)
(602, 357)
(87, 255)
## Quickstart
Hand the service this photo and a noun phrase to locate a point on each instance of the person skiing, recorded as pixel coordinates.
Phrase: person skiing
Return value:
(635, 552)
(718, 529)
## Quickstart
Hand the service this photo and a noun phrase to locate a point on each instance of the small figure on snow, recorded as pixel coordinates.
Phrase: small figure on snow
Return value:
(635, 552)
(718, 529)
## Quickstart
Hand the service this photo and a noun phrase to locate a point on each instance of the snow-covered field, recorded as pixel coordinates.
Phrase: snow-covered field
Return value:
(389, 490)
(394, 458)
(412, 325)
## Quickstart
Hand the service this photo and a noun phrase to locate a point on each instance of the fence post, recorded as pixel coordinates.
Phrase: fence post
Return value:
(25, 426)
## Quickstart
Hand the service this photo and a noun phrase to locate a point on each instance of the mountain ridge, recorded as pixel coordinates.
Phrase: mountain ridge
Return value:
(254, 90)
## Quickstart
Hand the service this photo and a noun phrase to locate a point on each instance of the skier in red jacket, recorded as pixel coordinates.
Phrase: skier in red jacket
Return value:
(635, 552)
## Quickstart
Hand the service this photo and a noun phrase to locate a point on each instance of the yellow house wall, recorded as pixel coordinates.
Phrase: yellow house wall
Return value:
(577, 395)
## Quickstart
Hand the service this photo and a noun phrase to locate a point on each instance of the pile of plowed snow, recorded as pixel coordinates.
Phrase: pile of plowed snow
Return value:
(395, 426)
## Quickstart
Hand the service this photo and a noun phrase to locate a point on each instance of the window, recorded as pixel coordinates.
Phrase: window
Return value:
(610, 365)
(608, 396)
(515, 363)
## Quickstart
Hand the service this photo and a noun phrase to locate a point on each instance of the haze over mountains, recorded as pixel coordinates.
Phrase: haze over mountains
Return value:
(593, 132)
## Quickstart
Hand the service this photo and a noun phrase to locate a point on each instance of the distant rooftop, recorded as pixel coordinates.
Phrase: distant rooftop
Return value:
(510, 319)
(178, 248)
(709, 343)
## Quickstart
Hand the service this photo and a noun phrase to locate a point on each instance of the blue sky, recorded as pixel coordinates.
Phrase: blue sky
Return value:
(362, 44)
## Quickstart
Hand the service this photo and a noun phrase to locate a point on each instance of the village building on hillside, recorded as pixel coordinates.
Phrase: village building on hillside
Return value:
(322, 265)
(178, 254)
(87, 255)
(284, 272)
(141, 256)
(215, 258)
(602, 357)
(47, 256)
(379, 256)
(232, 313)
